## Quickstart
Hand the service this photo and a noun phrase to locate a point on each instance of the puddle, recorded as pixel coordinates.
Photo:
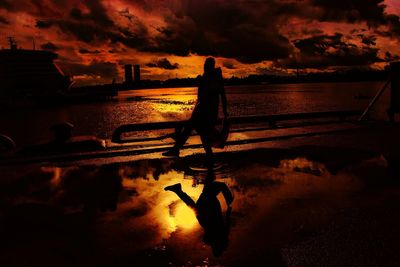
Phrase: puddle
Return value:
(120, 214)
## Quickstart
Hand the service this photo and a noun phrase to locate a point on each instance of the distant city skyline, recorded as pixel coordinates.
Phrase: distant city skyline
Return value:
(172, 38)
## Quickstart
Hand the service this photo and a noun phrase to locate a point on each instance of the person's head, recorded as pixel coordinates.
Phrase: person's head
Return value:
(209, 65)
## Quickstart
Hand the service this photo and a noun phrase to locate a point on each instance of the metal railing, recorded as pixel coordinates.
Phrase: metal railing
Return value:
(271, 120)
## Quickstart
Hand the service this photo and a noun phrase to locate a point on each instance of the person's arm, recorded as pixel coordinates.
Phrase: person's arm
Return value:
(227, 195)
(222, 187)
(222, 93)
(199, 84)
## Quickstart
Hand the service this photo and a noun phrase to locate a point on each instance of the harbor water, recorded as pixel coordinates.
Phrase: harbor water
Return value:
(30, 125)
(314, 201)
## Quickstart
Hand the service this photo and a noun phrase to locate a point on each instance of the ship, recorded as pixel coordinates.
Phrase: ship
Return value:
(32, 77)
(30, 73)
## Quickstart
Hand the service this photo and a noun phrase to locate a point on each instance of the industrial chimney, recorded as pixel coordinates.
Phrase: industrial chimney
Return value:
(128, 74)
(137, 73)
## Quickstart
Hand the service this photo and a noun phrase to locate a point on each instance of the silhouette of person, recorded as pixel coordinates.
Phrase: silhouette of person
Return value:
(205, 114)
(209, 213)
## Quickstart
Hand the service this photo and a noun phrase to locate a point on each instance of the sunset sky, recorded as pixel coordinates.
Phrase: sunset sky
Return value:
(171, 38)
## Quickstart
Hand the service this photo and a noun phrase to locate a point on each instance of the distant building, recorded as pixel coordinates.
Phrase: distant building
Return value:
(128, 74)
(137, 73)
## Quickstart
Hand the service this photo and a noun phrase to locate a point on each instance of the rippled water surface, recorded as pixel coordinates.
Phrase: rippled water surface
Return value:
(30, 125)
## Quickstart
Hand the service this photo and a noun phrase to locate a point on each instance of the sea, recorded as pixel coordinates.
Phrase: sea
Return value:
(30, 125)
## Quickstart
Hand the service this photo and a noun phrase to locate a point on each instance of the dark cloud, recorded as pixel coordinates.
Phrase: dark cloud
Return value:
(352, 11)
(182, 35)
(250, 44)
(5, 4)
(248, 31)
(307, 31)
(126, 14)
(134, 37)
(367, 39)
(178, 38)
(42, 24)
(354, 31)
(117, 50)
(37, 8)
(228, 64)
(271, 71)
(76, 13)
(88, 51)
(95, 27)
(394, 25)
(389, 57)
(329, 50)
(371, 11)
(97, 13)
(163, 64)
(85, 32)
(49, 46)
(198, 27)
(3, 20)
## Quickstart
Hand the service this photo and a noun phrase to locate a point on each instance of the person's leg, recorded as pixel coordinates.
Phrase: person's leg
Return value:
(206, 141)
(185, 134)
(177, 189)
(222, 187)
(181, 139)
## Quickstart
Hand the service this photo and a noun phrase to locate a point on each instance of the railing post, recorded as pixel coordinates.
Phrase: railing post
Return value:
(395, 90)
(116, 137)
(177, 133)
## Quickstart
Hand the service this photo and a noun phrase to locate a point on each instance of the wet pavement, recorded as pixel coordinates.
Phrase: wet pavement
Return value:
(305, 206)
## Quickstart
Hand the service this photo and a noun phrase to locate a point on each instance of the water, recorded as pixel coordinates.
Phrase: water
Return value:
(305, 206)
(29, 126)
(120, 214)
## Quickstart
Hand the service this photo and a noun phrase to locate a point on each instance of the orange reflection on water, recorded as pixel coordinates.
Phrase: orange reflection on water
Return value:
(165, 103)
(184, 217)
(165, 210)
(181, 104)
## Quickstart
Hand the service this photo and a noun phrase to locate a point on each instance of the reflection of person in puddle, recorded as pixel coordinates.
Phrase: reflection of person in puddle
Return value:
(209, 212)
